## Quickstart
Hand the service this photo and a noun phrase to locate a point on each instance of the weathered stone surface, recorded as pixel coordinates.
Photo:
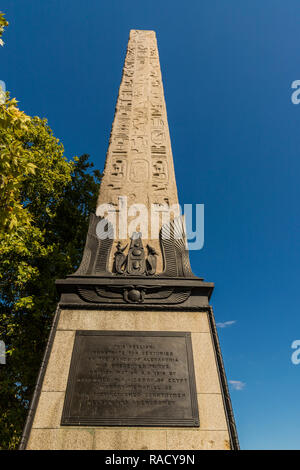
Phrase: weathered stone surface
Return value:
(200, 440)
(139, 163)
(61, 439)
(172, 321)
(49, 410)
(195, 322)
(211, 412)
(97, 320)
(207, 379)
(58, 367)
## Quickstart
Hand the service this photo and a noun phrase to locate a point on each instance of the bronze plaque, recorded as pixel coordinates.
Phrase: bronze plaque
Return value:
(131, 378)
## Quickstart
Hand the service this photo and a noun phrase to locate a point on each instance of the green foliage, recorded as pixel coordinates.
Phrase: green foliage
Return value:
(45, 201)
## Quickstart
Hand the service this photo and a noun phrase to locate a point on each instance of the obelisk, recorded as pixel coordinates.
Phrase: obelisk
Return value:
(139, 164)
(133, 359)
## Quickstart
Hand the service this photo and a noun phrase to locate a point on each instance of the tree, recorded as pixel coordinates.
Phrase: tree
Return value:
(45, 201)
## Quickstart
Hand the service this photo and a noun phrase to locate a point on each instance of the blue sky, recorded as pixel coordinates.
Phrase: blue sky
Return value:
(227, 68)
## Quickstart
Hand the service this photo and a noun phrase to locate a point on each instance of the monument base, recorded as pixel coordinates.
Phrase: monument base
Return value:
(216, 430)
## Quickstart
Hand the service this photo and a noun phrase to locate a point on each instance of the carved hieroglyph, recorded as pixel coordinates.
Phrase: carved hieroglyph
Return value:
(139, 162)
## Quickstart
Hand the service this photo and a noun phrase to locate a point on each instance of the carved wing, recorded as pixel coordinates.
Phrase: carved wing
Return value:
(115, 295)
(173, 246)
(96, 251)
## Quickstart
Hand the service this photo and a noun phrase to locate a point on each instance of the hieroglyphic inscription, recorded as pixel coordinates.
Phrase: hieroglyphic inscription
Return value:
(140, 130)
(131, 378)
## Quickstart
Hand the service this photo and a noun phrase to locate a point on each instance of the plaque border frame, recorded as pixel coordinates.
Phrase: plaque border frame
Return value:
(67, 420)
